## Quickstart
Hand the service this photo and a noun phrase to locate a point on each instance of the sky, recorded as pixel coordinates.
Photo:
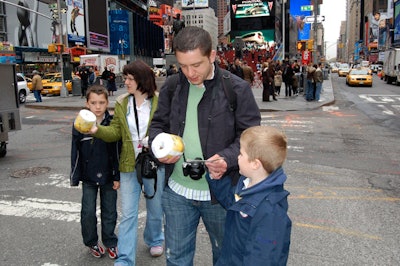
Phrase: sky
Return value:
(334, 12)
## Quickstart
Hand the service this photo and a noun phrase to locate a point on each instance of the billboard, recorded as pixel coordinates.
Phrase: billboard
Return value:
(299, 9)
(254, 8)
(97, 25)
(76, 21)
(194, 3)
(119, 32)
(396, 24)
(26, 28)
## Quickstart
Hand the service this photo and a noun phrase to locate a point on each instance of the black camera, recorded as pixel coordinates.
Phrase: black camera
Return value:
(195, 169)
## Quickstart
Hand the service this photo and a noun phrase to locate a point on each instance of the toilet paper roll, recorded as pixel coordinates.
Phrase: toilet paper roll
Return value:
(167, 145)
(84, 121)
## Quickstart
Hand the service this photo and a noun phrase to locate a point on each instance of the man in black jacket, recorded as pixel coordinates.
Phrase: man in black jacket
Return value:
(198, 110)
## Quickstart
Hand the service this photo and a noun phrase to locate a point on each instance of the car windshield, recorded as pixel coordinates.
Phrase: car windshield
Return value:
(344, 66)
(48, 76)
(55, 79)
(359, 72)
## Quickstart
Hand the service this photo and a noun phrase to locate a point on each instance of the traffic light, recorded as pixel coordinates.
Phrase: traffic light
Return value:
(51, 48)
(301, 45)
(59, 48)
(310, 45)
(56, 48)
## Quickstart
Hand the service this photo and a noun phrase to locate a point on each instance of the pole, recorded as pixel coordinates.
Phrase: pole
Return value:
(283, 29)
(63, 91)
(315, 31)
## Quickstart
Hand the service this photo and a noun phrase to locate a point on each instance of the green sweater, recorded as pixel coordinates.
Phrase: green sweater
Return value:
(119, 130)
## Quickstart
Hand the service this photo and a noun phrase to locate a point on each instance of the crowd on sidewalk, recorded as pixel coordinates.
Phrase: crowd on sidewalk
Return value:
(288, 76)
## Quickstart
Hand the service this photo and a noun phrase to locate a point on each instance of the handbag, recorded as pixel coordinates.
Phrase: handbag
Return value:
(146, 164)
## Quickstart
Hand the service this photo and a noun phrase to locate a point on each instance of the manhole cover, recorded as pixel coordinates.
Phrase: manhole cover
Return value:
(29, 172)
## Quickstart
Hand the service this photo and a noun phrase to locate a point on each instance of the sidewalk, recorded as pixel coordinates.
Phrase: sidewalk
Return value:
(294, 103)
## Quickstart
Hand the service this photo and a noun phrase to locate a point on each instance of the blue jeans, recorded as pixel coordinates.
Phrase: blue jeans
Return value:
(181, 221)
(153, 234)
(37, 95)
(127, 231)
(310, 90)
(108, 206)
(318, 91)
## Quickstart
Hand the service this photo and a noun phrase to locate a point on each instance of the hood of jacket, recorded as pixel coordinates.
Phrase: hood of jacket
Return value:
(270, 188)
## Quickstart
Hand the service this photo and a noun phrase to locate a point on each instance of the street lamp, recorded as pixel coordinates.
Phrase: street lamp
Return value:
(121, 43)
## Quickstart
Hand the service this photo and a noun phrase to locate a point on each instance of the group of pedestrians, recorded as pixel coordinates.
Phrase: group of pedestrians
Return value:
(88, 78)
(236, 187)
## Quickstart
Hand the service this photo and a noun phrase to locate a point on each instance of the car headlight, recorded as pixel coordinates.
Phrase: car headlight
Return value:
(57, 87)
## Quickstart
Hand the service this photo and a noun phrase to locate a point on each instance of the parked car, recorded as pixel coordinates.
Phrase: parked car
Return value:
(23, 89)
(53, 87)
(359, 77)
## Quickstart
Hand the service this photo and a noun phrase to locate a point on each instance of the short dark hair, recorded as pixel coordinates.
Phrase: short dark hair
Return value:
(97, 89)
(143, 75)
(190, 38)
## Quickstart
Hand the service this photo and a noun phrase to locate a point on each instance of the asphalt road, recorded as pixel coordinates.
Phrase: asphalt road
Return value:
(343, 174)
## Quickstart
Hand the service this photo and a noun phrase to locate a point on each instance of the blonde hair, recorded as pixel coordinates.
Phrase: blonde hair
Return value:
(267, 144)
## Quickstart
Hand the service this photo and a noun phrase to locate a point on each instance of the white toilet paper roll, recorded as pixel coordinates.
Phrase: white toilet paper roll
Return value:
(84, 121)
(167, 145)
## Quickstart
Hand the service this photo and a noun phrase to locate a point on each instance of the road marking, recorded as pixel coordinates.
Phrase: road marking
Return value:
(338, 230)
(385, 109)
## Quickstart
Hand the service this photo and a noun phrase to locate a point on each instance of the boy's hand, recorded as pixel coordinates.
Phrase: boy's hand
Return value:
(216, 166)
(116, 185)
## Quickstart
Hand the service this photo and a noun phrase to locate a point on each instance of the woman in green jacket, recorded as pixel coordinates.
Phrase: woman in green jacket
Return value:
(139, 102)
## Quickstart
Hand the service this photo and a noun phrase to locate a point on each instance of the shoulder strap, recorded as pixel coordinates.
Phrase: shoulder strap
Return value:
(229, 92)
(226, 83)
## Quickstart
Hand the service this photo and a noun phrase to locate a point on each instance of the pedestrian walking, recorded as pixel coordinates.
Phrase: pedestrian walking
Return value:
(37, 86)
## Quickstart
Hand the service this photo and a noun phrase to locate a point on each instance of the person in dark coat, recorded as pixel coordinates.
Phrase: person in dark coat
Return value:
(111, 87)
(95, 164)
(257, 228)
(268, 74)
(84, 75)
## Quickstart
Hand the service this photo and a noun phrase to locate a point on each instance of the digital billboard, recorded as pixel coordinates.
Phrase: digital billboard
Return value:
(97, 25)
(254, 8)
(299, 9)
(194, 3)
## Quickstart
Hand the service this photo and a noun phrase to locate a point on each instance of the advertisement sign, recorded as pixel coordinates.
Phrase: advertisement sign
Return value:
(119, 32)
(76, 21)
(97, 25)
(194, 3)
(298, 15)
(254, 8)
(26, 28)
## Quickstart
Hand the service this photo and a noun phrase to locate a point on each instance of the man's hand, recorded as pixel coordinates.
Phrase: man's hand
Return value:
(216, 166)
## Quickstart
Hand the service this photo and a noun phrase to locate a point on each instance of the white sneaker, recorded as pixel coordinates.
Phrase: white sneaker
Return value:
(156, 251)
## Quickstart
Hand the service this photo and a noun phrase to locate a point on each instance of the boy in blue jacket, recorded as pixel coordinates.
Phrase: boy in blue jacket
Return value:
(257, 229)
(95, 163)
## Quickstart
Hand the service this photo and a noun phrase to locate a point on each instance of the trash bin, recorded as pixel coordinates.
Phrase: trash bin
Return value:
(76, 87)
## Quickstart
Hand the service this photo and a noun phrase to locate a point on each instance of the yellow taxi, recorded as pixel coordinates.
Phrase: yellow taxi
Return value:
(53, 86)
(48, 76)
(359, 77)
(29, 83)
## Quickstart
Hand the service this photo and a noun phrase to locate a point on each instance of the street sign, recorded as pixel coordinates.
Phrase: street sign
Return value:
(310, 19)
(306, 8)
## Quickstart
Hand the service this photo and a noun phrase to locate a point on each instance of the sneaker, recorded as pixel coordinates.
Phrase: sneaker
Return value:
(156, 251)
(112, 252)
(97, 251)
